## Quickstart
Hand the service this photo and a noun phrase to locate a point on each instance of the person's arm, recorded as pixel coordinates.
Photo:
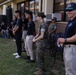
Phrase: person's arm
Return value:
(61, 41)
(40, 37)
(33, 28)
(53, 30)
(49, 29)
(71, 39)
(15, 29)
(36, 36)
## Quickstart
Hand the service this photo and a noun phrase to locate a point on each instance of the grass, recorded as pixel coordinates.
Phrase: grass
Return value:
(11, 66)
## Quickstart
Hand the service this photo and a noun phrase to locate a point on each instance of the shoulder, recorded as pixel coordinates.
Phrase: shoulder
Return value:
(19, 19)
(74, 22)
(44, 25)
(32, 23)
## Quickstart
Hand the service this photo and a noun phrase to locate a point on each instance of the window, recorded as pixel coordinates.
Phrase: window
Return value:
(22, 6)
(34, 7)
(59, 5)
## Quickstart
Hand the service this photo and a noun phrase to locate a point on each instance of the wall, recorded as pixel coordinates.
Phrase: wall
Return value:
(60, 26)
(47, 6)
(1, 9)
(13, 3)
(17, 1)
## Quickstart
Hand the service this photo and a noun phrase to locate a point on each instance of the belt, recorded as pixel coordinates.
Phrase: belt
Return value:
(30, 35)
(69, 45)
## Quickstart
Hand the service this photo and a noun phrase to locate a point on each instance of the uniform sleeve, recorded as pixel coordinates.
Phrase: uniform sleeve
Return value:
(18, 22)
(49, 27)
(43, 28)
(33, 27)
(55, 26)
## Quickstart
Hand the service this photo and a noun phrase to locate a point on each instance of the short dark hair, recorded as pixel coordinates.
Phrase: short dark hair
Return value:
(54, 19)
(18, 11)
(30, 13)
(41, 14)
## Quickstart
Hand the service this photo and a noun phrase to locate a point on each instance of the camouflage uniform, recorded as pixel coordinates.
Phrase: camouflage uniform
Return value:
(52, 26)
(41, 45)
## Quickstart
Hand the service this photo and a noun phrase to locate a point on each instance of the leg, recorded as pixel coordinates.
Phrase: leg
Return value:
(7, 33)
(24, 37)
(30, 49)
(40, 61)
(40, 58)
(19, 45)
(26, 46)
(70, 60)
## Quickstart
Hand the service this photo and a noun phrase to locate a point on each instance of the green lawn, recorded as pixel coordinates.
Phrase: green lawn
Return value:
(11, 66)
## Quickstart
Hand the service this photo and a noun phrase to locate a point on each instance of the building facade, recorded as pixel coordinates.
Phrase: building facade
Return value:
(46, 6)
(33, 5)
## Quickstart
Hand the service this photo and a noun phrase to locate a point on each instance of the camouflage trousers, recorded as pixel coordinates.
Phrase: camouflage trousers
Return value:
(41, 46)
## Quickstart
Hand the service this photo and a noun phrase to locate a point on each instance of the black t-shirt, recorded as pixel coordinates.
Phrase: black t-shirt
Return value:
(25, 22)
(14, 22)
(19, 24)
(31, 28)
(71, 30)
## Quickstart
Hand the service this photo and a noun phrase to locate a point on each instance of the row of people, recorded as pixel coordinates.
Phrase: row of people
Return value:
(29, 37)
(25, 29)
(41, 39)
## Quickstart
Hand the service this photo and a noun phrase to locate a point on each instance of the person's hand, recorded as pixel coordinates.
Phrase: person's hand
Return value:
(61, 40)
(13, 32)
(34, 40)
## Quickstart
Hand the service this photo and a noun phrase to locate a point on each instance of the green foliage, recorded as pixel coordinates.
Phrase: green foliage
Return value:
(11, 66)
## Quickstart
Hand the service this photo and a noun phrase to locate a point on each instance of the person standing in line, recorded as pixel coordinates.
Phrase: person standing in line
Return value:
(41, 39)
(14, 23)
(52, 31)
(29, 37)
(70, 41)
(10, 30)
(25, 22)
(17, 31)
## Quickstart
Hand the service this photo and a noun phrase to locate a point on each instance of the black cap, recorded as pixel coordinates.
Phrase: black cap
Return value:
(41, 14)
(71, 7)
(54, 18)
